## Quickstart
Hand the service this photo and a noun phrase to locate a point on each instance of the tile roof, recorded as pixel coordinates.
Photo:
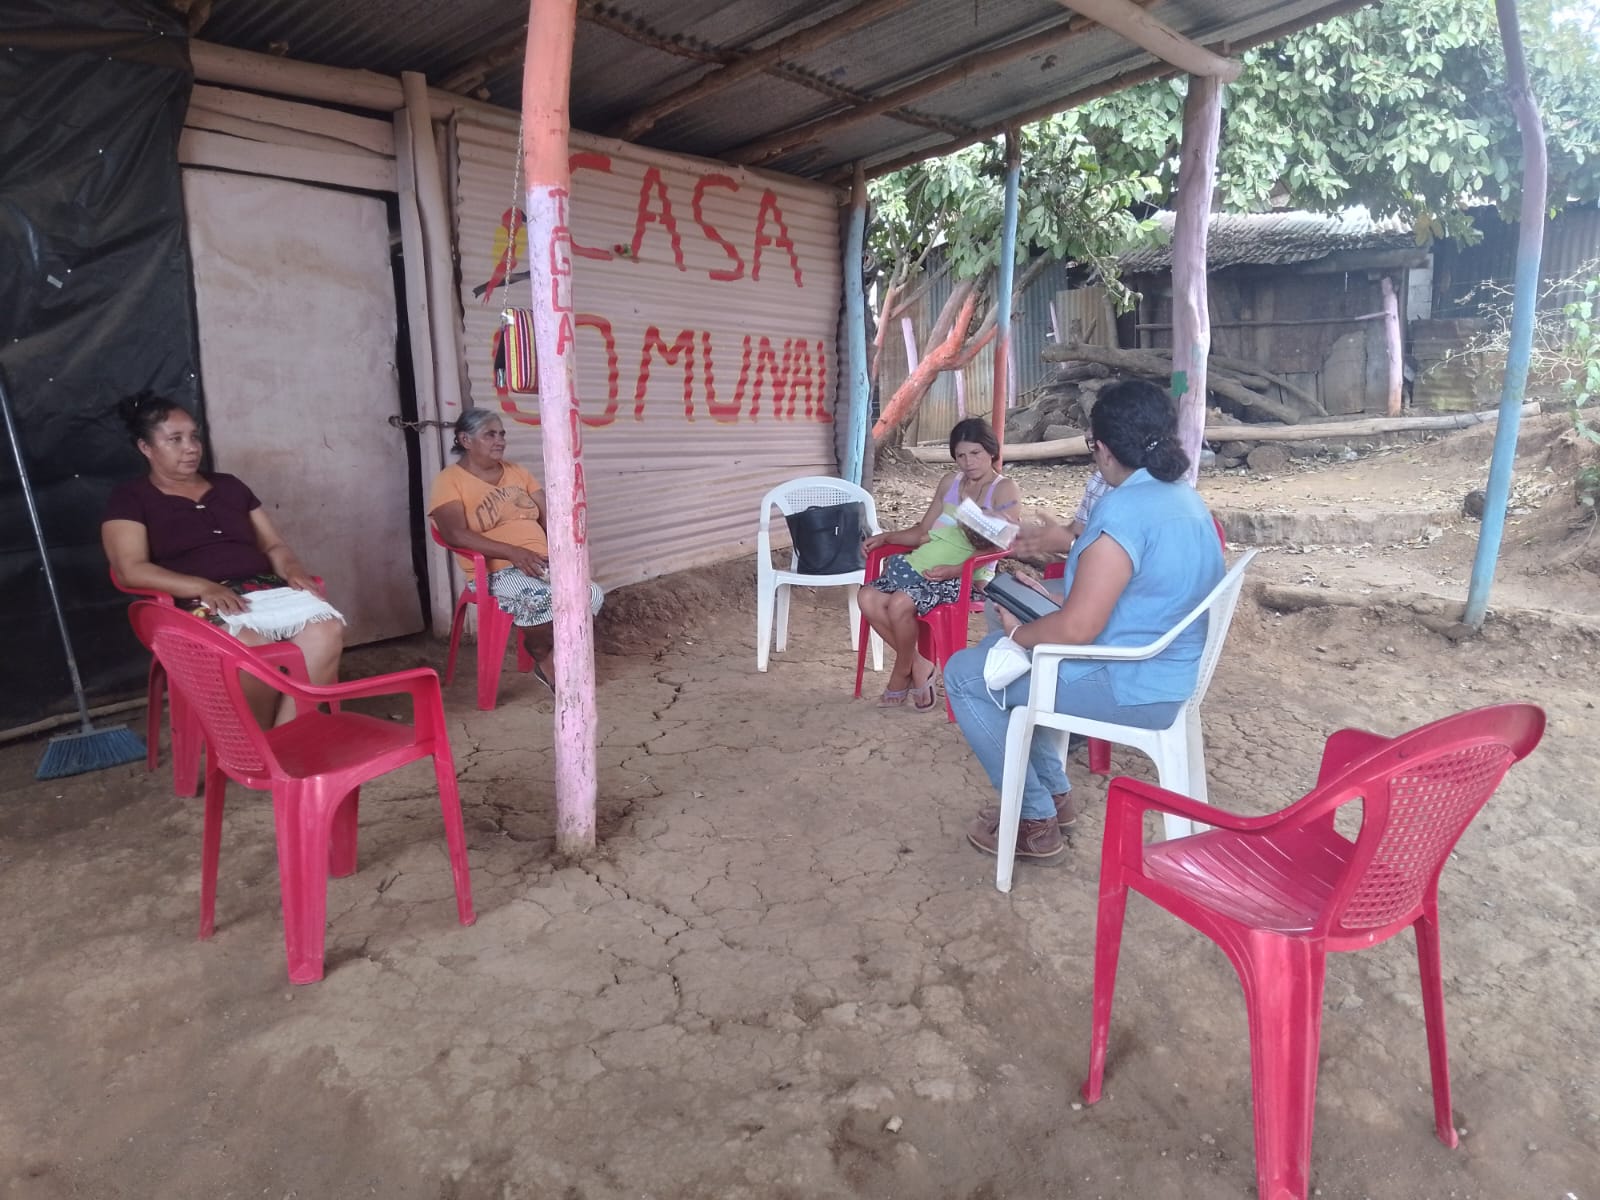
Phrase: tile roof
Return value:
(1234, 240)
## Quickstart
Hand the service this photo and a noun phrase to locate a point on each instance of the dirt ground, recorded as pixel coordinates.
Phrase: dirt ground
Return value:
(784, 942)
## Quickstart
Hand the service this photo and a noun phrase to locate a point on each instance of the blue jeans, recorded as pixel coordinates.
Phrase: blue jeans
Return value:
(983, 721)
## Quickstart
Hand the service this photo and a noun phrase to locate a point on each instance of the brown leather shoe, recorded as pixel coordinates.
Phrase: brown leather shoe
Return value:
(1066, 811)
(1039, 841)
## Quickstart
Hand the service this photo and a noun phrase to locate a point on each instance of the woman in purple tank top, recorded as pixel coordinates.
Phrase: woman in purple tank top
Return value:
(205, 540)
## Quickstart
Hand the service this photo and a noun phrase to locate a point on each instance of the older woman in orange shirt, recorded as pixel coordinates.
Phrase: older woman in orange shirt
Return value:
(484, 503)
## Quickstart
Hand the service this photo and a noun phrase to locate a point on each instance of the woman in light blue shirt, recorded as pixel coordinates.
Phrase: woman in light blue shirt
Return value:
(1148, 555)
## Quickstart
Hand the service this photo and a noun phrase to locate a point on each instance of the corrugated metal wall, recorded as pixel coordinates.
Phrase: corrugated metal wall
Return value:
(702, 385)
(1571, 240)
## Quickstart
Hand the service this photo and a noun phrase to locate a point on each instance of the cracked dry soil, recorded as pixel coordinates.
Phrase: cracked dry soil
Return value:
(782, 944)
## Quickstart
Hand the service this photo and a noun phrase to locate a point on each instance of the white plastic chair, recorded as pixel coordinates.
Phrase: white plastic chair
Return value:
(1178, 750)
(772, 585)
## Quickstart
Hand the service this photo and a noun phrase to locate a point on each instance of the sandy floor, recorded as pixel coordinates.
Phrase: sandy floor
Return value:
(783, 944)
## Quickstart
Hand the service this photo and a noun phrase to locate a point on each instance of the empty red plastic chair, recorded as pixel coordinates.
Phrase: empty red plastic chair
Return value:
(314, 767)
(1278, 893)
(185, 735)
(494, 628)
(943, 629)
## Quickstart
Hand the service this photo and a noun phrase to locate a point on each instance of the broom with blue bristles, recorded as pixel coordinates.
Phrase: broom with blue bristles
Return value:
(89, 749)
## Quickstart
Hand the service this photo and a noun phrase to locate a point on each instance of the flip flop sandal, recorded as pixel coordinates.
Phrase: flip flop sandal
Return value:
(892, 698)
(916, 694)
(538, 673)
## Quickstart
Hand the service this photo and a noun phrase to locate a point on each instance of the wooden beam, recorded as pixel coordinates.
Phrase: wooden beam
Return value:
(1393, 353)
(1027, 116)
(1159, 38)
(855, 310)
(1000, 396)
(1075, 447)
(471, 76)
(203, 148)
(363, 132)
(547, 129)
(309, 81)
(421, 335)
(1191, 318)
(789, 139)
(273, 135)
(746, 65)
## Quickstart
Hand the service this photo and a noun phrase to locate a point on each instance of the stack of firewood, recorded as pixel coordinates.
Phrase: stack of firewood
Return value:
(1237, 387)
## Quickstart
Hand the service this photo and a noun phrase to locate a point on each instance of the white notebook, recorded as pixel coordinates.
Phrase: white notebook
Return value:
(995, 530)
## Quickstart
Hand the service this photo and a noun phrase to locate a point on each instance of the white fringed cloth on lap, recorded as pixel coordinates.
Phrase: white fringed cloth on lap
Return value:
(280, 613)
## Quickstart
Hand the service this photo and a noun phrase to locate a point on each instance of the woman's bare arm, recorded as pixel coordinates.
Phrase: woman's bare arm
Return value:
(451, 519)
(127, 547)
(1102, 575)
(283, 560)
(917, 534)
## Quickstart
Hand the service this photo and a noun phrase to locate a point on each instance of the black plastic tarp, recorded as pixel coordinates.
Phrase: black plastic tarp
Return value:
(95, 304)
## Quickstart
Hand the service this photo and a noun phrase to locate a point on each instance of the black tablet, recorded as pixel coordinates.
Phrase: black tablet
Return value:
(1020, 600)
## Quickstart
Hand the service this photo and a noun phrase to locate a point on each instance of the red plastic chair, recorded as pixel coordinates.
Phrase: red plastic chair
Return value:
(185, 735)
(1099, 748)
(314, 766)
(494, 628)
(1278, 893)
(943, 630)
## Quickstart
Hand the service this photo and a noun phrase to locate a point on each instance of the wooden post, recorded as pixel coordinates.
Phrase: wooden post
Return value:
(1525, 300)
(1001, 401)
(855, 318)
(1191, 320)
(1391, 346)
(546, 80)
(426, 242)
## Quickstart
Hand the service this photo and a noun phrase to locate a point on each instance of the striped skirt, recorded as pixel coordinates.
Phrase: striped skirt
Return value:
(527, 598)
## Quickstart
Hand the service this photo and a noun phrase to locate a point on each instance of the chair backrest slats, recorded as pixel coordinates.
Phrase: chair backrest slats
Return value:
(1418, 794)
(203, 664)
(1428, 806)
(1222, 602)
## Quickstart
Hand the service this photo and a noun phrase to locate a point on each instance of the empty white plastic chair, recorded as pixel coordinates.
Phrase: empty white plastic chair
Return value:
(772, 584)
(1178, 750)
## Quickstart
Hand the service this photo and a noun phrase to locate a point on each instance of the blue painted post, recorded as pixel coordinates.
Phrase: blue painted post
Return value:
(1008, 263)
(855, 319)
(1525, 296)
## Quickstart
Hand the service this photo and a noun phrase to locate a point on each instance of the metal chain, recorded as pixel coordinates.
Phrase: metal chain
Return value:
(517, 201)
(400, 423)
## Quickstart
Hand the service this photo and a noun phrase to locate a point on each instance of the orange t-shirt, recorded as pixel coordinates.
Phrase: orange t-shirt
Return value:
(506, 511)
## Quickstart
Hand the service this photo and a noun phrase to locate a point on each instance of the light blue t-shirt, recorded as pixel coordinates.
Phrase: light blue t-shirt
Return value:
(1168, 532)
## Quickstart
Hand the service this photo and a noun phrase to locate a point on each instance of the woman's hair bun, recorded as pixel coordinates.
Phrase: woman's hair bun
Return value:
(1166, 459)
(143, 411)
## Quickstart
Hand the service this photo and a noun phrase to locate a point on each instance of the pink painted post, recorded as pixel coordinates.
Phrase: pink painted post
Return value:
(1392, 347)
(1191, 324)
(546, 79)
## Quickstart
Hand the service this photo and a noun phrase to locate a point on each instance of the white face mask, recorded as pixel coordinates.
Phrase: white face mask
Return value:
(1005, 663)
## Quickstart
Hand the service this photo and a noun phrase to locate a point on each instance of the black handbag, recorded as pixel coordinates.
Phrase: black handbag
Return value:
(827, 538)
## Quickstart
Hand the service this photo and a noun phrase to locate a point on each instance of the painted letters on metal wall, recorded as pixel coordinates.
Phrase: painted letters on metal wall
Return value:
(706, 315)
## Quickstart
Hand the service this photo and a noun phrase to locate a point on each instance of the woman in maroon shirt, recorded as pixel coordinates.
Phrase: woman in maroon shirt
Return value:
(205, 541)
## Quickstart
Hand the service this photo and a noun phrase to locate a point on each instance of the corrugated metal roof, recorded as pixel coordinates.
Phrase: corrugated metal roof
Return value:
(1275, 238)
(629, 56)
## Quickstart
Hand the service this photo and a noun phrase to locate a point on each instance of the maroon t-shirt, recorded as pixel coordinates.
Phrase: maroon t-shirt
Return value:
(211, 537)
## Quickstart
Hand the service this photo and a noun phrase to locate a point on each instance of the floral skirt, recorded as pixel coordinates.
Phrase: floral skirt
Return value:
(927, 594)
(527, 598)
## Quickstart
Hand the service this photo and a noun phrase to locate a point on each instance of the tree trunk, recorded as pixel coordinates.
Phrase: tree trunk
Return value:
(941, 355)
